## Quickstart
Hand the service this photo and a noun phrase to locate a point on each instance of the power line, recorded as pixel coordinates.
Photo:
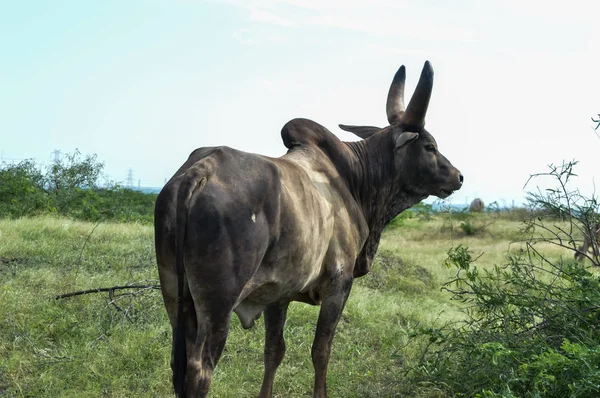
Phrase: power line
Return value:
(4, 159)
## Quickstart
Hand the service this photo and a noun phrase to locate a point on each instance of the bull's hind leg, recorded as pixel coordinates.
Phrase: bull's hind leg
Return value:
(226, 251)
(214, 303)
(213, 318)
(275, 315)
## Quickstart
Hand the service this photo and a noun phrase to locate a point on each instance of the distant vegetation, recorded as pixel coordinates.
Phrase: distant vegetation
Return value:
(71, 188)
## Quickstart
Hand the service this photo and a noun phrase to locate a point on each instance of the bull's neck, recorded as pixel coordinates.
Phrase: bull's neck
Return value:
(374, 183)
(378, 190)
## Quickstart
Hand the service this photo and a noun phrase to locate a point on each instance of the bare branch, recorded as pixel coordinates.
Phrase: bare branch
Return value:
(597, 121)
(110, 290)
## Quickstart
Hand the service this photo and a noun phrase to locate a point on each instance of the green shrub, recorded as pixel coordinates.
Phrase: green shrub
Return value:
(532, 330)
(468, 228)
(532, 325)
(22, 190)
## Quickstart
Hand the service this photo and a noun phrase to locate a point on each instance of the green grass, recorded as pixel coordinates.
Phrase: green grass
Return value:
(84, 346)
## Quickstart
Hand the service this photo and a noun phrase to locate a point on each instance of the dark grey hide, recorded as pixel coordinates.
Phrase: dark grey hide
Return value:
(245, 233)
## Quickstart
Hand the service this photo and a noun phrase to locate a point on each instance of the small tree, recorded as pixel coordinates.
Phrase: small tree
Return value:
(72, 181)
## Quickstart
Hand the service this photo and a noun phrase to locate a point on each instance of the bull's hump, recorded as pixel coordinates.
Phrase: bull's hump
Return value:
(305, 132)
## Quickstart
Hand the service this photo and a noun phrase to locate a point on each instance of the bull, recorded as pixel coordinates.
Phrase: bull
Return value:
(245, 233)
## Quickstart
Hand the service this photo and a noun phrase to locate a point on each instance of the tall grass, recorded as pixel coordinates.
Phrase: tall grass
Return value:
(86, 346)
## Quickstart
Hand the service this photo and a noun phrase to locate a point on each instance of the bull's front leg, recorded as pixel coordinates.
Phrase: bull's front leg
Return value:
(329, 315)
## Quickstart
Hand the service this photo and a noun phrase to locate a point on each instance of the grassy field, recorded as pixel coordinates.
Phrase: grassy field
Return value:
(92, 346)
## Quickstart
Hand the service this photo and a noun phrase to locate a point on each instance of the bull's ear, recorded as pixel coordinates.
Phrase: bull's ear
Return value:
(361, 131)
(405, 138)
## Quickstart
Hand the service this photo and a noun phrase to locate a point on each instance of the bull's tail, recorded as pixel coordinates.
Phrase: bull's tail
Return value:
(192, 181)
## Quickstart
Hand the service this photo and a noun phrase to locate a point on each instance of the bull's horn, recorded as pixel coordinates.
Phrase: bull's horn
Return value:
(395, 99)
(414, 115)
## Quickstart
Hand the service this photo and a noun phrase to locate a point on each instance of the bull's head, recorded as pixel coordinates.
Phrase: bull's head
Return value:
(424, 170)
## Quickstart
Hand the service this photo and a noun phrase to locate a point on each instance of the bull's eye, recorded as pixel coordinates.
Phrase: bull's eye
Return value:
(430, 148)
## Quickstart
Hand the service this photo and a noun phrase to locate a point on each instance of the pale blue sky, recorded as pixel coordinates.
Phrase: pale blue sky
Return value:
(143, 83)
